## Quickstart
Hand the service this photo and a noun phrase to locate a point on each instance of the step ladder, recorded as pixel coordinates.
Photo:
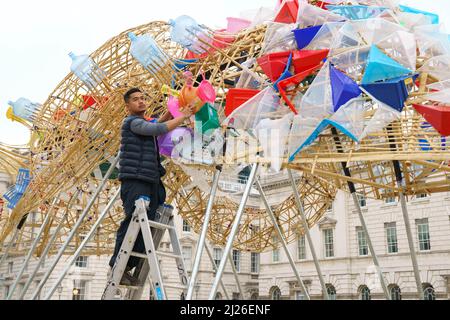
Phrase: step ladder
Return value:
(148, 268)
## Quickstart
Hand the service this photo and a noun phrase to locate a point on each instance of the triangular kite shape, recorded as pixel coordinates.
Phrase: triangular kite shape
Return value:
(437, 116)
(380, 67)
(342, 87)
(305, 36)
(356, 12)
(350, 118)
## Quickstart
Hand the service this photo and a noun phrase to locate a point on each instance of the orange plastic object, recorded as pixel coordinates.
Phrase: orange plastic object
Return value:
(293, 81)
(89, 101)
(188, 95)
(273, 64)
(438, 116)
(306, 59)
(236, 97)
(288, 12)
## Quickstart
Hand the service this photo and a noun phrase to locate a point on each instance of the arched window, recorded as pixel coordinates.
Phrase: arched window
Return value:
(331, 290)
(275, 293)
(428, 292)
(254, 296)
(364, 293)
(218, 296)
(396, 293)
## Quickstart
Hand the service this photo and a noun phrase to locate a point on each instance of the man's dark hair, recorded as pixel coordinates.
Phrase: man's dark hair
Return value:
(127, 95)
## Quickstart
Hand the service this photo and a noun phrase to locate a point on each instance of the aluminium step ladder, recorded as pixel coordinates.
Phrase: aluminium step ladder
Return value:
(152, 232)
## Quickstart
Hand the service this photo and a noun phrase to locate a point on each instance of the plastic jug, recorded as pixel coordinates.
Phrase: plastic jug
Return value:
(24, 108)
(86, 70)
(187, 32)
(145, 50)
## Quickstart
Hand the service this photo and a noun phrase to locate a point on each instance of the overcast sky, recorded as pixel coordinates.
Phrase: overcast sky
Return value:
(36, 36)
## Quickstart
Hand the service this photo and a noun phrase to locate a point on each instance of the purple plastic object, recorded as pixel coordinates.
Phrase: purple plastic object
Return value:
(342, 87)
(168, 141)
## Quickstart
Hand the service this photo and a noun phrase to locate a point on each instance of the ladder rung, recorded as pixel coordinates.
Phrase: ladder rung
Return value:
(138, 255)
(159, 225)
(168, 254)
(129, 287)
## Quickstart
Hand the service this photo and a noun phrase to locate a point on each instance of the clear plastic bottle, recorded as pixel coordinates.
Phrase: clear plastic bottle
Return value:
(187, 32)
(25, 109)
(145, 50)
(86, 70)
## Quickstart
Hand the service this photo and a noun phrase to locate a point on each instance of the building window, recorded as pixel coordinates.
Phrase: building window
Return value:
(254, 296)
(390, 200)
(330, 208)
(328, 241)
(391, 235)
(428, 292)
(36, 285)
(217, 254)
(362, 200)
(254, 262)
(6, 291)
(421, 195)
(299, 295)
(81, 262)
(275, 293)
(423, 232)
(187, 256)
(237, 260)
(79, 290)
(186, 226)
(218, 296)
(331, 290)
(364, 293)
(236, 296)
(301, 248)
(275, 251)
(363, 249)
(396, 293)
(10, 267)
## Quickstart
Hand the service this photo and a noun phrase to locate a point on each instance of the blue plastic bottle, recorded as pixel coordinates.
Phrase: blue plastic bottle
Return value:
(145, 50)
(86, 70)
(24, 108)
(187, 32)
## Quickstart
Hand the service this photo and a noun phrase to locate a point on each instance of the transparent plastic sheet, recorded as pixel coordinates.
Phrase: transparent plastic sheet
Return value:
(383, 116)
(442, 85)
(309, 16)
(302, 128)
(258, 16)
(391, 4)
(346, 37)
(432, 44)
(249, 79)
(351, 116)
(411, 20)
(326, 36)
(438, 67)
(273, 136)
(317, 101)
(352, 62)
(279, 37)
(440, 96)
(356, 12)
(401, 46)
(265, 104)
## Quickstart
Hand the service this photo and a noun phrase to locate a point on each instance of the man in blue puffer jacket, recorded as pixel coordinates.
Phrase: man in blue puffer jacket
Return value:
(140, 169)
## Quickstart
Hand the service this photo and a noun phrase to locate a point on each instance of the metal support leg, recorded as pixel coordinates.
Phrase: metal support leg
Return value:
(201, 241)
(10, 245)
(283, 240)
(33, 247)
(308, 234)
(83, 244)
(351, 187)
(76, 226)
(43, 255)
(215, 270)
(236, 277)
(412, 250)
(234, 230)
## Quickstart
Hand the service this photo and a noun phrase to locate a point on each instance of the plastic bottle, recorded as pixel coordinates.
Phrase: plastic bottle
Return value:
(24, 108)
(145, 50)
(187, 32)
(86, 70)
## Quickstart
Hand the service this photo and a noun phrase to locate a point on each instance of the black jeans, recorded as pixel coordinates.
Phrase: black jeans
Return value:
(130, 191)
